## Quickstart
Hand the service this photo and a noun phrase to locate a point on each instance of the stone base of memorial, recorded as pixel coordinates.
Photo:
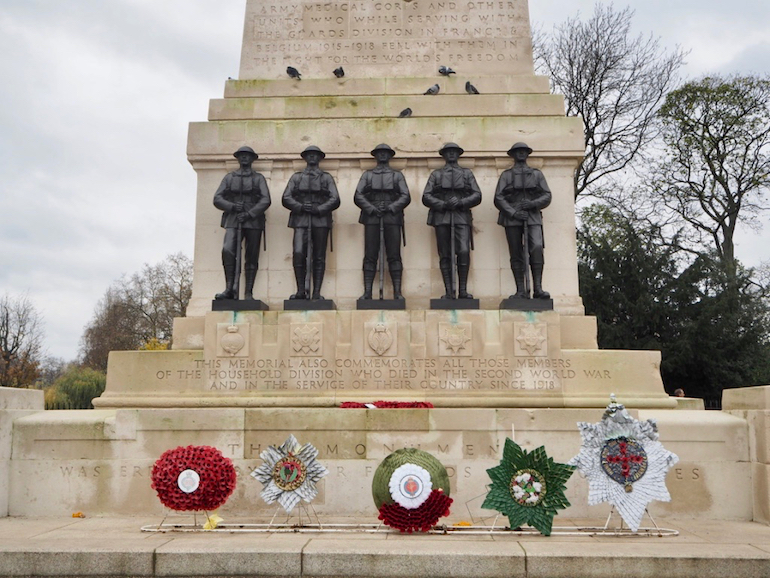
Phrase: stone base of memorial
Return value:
(239, 305)
(522, 304)
(449, 304)
(100, 461)
(316, 358)
(309, 305)
(386, 304)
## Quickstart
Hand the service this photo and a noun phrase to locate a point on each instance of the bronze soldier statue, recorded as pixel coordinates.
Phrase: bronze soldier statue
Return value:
(450, 193)
(311, 196)
(382, 194)
(520, 195)
(244, 197)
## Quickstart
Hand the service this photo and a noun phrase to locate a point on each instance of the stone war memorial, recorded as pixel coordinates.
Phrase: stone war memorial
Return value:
(247, 374)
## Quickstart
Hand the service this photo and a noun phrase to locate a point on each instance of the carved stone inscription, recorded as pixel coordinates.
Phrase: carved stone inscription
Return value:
(315, 36)
(444, 375)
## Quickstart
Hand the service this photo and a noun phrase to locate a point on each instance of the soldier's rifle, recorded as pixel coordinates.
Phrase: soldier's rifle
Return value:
(382, 255)
(309, 257)
(238, 251)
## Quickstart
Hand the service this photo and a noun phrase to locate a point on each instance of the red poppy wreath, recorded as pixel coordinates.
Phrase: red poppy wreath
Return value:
(193, 478)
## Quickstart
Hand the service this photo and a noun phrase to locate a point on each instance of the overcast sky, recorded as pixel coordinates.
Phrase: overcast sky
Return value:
(95, 100)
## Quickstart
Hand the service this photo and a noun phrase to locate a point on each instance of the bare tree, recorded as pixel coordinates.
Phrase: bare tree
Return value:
(113, 328)
(611, 80)
(716, 169)
(138, 310)
(21, 339)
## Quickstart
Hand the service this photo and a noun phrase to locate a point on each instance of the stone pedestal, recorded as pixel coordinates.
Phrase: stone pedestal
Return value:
(319, 358)
(100, 461)
(238, 305)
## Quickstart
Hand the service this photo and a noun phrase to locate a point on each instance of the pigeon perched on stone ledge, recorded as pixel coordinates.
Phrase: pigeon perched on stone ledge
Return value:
(339, 72)
(433, 89)
(470, 89)
(293, 72)
(404, 113)
(445, 71)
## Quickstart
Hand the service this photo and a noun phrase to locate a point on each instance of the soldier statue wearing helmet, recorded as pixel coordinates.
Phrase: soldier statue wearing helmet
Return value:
(382, 194)
(244, 197)
(520, 195)
(450, 193)
(311, 196)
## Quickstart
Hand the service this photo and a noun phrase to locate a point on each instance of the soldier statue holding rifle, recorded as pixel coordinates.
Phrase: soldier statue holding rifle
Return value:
(244, 198)
(382, 194)
(450, 193)
(311, 196)
(520, 195)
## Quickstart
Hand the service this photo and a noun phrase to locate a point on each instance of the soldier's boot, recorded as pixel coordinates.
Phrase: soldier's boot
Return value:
(251, 275)
(537, 282)
(462, 281)
(446, 274)
(521, 286)
(299, 275)
(395, 277)
(318, 279)
(229, 292)
(368, 282)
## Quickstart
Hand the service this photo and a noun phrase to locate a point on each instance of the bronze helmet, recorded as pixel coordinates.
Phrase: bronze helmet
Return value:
(383, 147)
(450, 145)
(519, 145)
(246, 149)
(312, 149)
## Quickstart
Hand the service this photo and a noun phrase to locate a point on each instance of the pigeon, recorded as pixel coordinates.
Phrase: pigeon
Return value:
(433, 89)
(445, 71)
(338, 72)
(404, 113)
(470, 89)
(293, 72)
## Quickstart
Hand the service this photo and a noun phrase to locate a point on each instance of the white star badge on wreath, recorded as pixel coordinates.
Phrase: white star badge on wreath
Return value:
(624, 462)
(289, 473)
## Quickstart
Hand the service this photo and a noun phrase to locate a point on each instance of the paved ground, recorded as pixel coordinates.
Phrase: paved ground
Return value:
(100, 547)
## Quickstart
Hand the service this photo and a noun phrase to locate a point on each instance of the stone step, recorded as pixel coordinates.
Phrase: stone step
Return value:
(360, 107)
(116, 547)
(347, 86)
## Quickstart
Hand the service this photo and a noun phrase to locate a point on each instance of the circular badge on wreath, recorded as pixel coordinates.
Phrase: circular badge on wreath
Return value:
(528, 487)
(289, 473)
(411, 490)
(624, 461)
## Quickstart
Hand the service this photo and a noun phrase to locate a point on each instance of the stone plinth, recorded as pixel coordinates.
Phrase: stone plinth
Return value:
(99, 461)
(320, 358)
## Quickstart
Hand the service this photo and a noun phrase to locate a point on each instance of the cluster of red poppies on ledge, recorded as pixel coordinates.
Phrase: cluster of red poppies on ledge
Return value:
(217, 478)
(420, 519)
(387, 404)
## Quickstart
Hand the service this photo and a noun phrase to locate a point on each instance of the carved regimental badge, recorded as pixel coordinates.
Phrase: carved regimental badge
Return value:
(455, 339)
(233, 339)
(380, 339)
(531, 339)
(306, 339)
